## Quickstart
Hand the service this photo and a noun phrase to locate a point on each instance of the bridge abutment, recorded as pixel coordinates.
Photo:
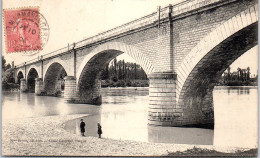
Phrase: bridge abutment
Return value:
(23, 85)
(39, 86)
(162, 99)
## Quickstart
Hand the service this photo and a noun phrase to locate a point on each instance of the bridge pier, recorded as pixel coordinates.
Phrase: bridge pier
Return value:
(70, 94)
(23, 85)
(39, 86)
(164, 110)
(162, 99)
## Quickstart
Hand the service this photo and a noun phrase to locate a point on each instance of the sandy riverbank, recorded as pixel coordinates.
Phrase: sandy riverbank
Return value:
(46, 136)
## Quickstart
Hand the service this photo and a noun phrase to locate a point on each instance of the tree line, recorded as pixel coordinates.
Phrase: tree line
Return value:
(121, 74)
(241, 77)
(5, 66)
(8, 81)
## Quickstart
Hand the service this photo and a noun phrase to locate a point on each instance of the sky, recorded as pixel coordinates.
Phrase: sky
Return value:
(74, 20)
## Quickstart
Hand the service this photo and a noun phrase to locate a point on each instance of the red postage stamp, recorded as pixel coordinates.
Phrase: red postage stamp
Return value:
(22, 30)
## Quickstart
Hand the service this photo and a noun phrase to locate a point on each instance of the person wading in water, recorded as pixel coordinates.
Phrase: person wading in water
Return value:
(82, 127)
(99, 130)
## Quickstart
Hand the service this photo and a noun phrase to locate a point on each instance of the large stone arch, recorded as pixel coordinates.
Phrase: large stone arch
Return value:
(19, 76)
(88, 87)
(30, 67)
(121, 48)
(68, 69)
(54, 77)
(17, 71)
(202, 67)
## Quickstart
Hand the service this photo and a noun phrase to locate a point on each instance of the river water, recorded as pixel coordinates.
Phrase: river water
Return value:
(123, 115)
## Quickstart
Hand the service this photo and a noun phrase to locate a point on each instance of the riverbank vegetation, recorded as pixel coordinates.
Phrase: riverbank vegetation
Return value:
(241, 77)
(123, 74)
(127, 74)
(125, 83)
(8, 81)
(195, 151)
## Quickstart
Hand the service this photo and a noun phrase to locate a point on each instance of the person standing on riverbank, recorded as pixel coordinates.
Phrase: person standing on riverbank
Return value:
(82, 127)
(99, 130)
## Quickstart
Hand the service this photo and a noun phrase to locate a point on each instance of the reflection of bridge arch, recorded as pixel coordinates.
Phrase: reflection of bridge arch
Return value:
(203, 66)
(32, 75)
(53, 78)
(95, 62)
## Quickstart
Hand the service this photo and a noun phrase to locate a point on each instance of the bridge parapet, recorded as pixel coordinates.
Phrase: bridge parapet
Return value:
(191, 5)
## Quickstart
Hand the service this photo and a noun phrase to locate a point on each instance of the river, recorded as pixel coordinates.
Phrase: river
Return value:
(123, 115)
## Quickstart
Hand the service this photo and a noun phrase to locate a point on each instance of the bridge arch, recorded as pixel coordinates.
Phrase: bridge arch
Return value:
(30, 67)
(54, 78)
(20, 70)
(94, 62)
(203, 66)
(32, 75)
(66, 66)
(19, 75)
(119, 48)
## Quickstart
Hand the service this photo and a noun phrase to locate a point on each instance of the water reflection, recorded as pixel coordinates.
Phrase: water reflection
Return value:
(235, 90)
(178, 135)
(236, 116)
(123, 115)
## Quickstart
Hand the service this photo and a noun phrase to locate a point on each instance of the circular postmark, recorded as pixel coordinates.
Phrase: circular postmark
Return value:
(27, 31)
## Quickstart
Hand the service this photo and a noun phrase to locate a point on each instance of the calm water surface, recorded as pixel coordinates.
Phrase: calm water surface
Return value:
(123, 115)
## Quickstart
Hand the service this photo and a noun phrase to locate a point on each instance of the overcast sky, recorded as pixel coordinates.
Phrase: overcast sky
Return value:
(74, 20)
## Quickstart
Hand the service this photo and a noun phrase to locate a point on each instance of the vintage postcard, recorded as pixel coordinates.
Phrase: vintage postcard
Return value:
(129, 78)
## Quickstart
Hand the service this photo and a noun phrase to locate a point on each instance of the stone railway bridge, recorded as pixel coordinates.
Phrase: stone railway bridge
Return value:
(184, 49)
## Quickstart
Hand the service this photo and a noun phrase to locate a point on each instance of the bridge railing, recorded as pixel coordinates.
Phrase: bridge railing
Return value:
(48, 55)
(104, 35)
(122, 28)
(28, 62)
(177, 9)
(189, 5)
(56, 52)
